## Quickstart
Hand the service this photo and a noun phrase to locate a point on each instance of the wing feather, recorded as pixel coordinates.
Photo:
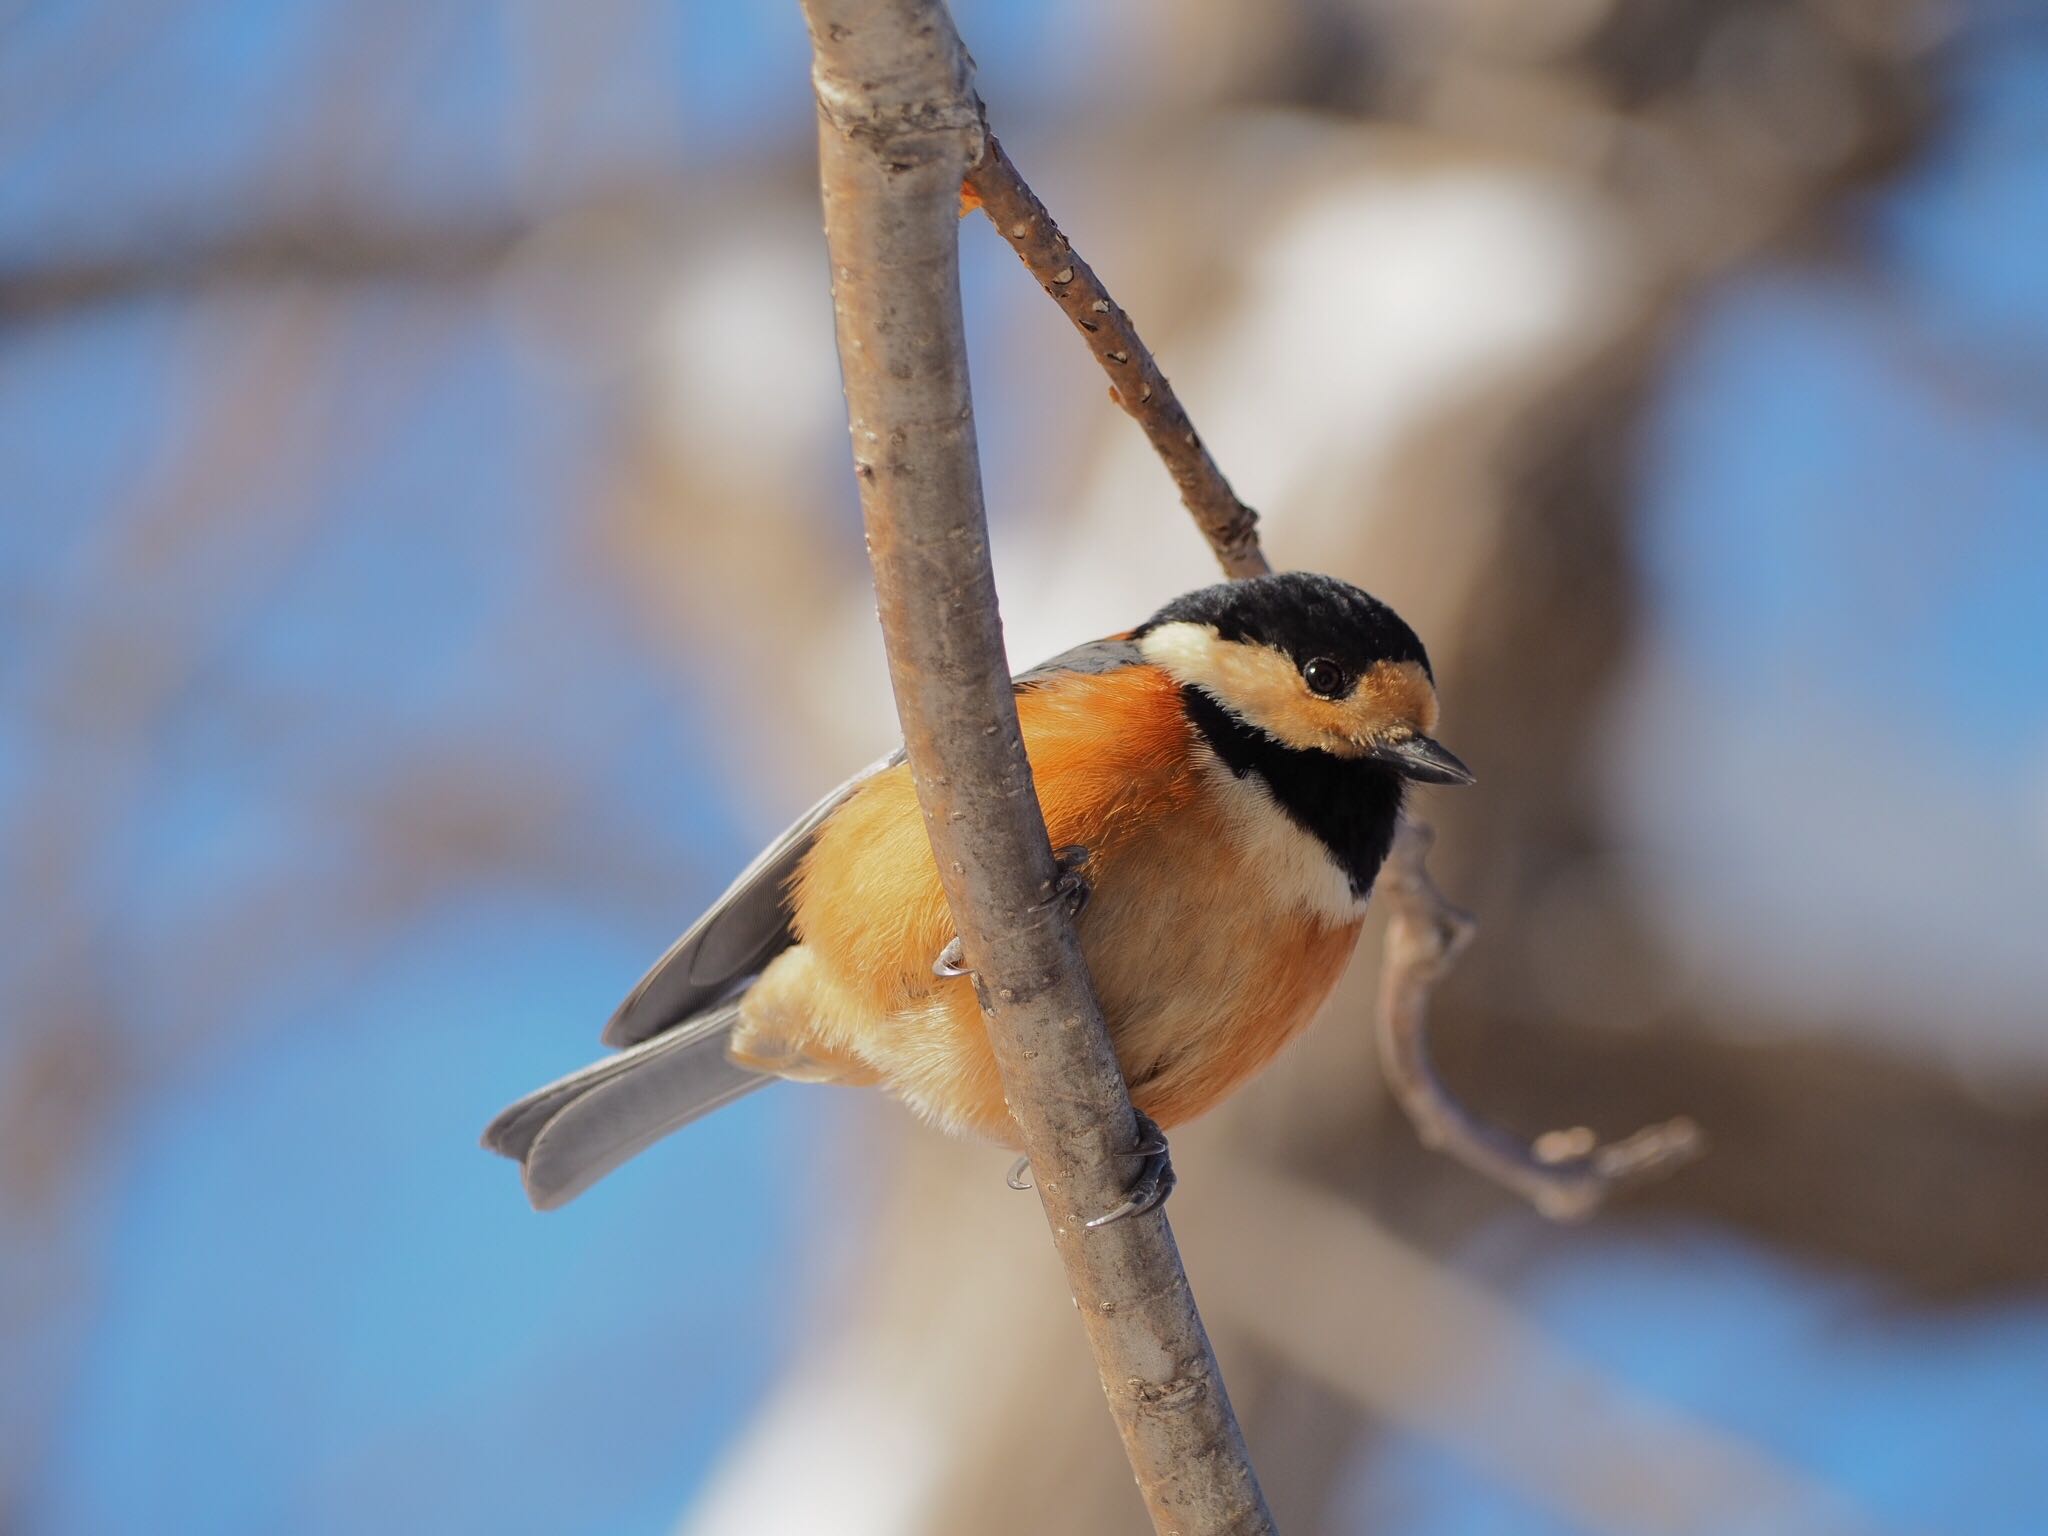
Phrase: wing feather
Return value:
(749, 925)
(741, 932)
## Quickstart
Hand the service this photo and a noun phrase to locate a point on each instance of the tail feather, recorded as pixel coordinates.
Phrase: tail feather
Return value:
(577, 1129)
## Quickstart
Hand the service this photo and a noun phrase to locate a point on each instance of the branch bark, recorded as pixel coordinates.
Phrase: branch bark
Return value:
(1135, 382)
(899, 128)
(1564, 1174)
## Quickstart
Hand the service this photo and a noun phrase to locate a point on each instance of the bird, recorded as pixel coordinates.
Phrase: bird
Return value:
(1222, 785)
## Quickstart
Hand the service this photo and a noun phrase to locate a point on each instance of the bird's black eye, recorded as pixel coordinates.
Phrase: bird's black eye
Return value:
(1323, 676)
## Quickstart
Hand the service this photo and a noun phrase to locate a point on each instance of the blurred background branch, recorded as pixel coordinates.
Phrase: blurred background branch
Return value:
(1566, 1175)
(342, 251)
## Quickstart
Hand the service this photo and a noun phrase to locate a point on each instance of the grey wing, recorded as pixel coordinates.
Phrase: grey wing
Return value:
(746, 928)
(1094, 658)
(749, 925)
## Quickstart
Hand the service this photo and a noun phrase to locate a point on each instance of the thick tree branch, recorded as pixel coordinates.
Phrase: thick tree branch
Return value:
(898, 129)
(1565, 1174)
(1135, 382)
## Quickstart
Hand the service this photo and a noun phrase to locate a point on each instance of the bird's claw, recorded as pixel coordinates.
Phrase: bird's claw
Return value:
(1069, 886)
(1155, 1179)
(952, 959)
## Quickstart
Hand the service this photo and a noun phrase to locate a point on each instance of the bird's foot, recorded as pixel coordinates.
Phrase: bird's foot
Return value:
(1069, 886)
(1153, 1184)
(1155, 1179)
(952, 959)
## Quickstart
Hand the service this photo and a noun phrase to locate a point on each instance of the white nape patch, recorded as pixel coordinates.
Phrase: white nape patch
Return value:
(1185, 652)
(1293, 864)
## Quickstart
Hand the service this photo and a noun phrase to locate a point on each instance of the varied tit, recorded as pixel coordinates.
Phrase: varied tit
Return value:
(1223, 782)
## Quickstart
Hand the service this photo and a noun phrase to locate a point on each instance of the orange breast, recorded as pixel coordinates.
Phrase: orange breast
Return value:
(1202, 971)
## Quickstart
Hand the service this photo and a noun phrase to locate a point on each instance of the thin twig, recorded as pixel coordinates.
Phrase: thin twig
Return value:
(898, 128)
(1135, 382)
(1564, 1174)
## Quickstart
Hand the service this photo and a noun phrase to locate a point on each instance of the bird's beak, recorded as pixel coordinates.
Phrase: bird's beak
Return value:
(1422, 759)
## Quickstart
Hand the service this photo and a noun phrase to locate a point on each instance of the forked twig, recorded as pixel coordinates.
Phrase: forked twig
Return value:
(1565, 1174)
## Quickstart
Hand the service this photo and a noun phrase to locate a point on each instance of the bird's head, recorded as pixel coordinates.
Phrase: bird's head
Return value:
(1312, 662)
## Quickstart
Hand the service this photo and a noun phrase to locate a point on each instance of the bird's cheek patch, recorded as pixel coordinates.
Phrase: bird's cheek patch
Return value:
(1394, 697)
(1255, 682)
(1265, 688)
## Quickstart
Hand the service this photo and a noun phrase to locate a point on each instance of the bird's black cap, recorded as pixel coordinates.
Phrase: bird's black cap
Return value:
(1302, 614)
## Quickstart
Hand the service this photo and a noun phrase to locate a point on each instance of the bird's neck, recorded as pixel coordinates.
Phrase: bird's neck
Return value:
(1349, 805)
